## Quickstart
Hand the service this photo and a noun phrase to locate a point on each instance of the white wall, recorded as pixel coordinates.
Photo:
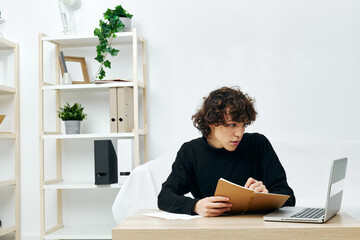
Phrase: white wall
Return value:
(299, 59)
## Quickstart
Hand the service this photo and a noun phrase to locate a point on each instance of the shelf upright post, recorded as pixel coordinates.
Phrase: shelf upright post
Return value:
(136, 99)
(58, 141)
(41, 140)
(17, 143)
(144, 60)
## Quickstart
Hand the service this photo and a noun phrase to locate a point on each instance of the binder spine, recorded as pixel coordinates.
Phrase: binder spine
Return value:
(124, 158)
(105, 162)
(113, 109)
(125, 111)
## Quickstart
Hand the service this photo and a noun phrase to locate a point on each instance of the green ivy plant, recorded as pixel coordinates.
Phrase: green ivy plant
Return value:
(74, 112)
(109, 25)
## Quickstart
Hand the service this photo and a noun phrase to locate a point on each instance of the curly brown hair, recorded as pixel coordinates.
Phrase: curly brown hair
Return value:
(221, 103)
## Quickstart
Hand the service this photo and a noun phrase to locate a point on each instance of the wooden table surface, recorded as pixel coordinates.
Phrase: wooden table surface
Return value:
(341, 226)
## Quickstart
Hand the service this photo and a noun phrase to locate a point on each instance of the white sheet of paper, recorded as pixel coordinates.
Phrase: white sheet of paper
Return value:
(171, 216)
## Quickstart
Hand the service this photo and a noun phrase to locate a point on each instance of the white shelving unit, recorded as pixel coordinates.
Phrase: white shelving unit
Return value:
(62, 230)
(9, 91)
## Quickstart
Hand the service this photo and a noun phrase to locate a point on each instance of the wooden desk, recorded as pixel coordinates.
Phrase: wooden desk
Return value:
(252, 227)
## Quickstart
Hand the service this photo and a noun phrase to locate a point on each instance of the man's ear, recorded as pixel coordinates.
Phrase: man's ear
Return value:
(211, 126)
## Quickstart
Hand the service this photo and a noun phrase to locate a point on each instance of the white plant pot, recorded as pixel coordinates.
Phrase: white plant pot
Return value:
(127, 23)
(72, 126)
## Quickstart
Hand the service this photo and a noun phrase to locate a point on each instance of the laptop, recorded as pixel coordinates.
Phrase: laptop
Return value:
(317, 215)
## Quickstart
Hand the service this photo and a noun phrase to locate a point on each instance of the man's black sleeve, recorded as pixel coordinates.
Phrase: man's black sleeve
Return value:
(274, 174)
(171, 198)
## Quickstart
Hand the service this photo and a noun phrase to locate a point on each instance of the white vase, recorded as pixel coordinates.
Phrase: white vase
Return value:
(72, 126)
(66, 79)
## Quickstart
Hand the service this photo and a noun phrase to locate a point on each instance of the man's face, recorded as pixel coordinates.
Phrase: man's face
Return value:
(228, 136)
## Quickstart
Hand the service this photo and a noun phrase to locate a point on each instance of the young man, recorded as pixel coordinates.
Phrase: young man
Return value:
(224, 151)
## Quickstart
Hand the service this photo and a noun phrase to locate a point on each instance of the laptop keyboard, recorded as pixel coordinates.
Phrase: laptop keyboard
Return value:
(310, 213)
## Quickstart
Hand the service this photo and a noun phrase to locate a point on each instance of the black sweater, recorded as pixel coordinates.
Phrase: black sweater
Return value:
(198, 167)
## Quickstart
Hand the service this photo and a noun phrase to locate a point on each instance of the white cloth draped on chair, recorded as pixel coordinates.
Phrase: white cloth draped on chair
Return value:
(141, 189)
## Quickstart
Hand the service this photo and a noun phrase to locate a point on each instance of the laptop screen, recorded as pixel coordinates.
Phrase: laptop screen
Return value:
(336, 187)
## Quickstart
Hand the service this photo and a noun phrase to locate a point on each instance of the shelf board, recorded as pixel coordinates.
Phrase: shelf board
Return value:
(7, 230)
(6, 90)
(89, 87)
(80, 185)
(6, 44)
(75, 41)
(98, 232)
(7, 135)
(7, 183)
(90, 135)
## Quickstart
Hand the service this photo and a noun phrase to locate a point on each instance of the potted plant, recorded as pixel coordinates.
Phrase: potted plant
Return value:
(114, 20)
(72, 116)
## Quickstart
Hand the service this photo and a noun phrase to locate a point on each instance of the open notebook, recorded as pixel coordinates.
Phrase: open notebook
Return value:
(247, 200)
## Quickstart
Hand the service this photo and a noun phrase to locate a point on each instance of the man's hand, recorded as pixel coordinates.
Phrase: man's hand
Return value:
(212, 206)
(255, 185)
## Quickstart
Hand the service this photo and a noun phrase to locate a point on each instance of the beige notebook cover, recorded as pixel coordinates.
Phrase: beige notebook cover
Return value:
(247, 200)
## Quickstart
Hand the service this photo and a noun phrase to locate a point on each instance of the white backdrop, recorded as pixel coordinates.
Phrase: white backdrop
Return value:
(299, 59)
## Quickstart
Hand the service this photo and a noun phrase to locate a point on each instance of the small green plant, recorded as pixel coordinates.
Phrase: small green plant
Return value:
(109, 25)
(74, 112)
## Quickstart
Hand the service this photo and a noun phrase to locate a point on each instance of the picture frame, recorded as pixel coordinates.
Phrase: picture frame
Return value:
(77, 68)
